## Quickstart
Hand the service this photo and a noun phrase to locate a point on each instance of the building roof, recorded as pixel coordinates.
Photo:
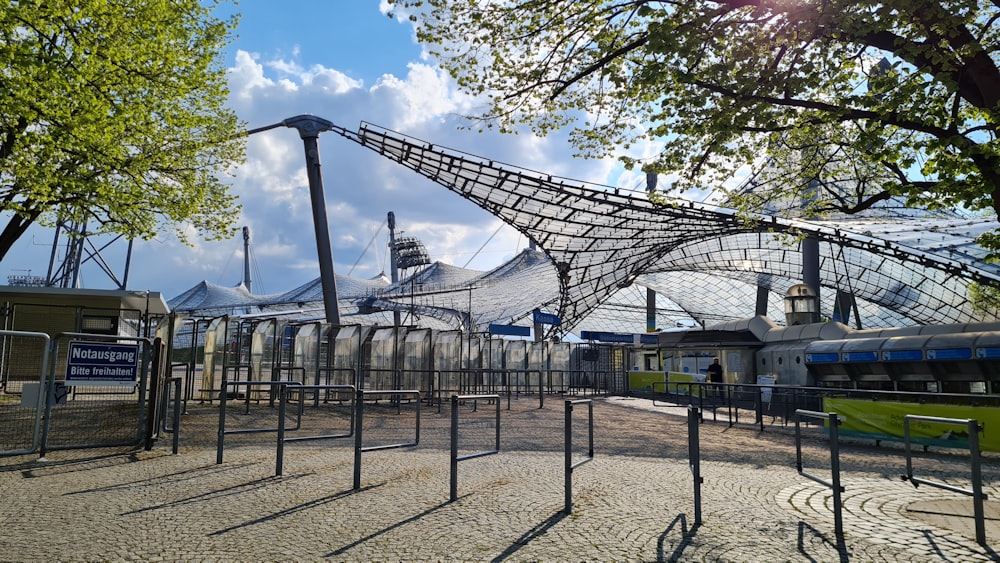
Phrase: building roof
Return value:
(600, 248)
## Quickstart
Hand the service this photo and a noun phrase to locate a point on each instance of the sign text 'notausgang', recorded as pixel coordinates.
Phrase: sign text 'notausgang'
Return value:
(95, 363)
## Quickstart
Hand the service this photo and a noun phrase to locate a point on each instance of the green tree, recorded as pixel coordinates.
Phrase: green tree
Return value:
(875, 100)
(112, 112)
(985, 299)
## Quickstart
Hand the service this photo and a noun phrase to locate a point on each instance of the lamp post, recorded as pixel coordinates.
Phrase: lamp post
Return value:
(309, 127)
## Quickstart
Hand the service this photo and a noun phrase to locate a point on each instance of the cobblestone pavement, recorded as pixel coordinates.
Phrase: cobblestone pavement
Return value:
(633, 502)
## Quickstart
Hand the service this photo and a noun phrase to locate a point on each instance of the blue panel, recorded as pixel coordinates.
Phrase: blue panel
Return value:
(510, 330)
(607, 337)
(860, 356)
(949, 353)
(104, 364)
(988, 353)
(823, 358)
(902, 355)
(649, 339)
(541, 318)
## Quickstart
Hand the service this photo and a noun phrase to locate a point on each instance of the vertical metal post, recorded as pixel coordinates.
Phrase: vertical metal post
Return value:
(246, 260)
(798, 443)
(977, 483)
(177, 414)
(359, 426)
(810, 261)
(151, 382)
(760, 407)
(393, 268)
(694, 458)
(282, 400)
(541, 389)
(45, 391)
(454, 448)
(498, 423)
(309, 128)
(568, 493)
(906, 447)
(838, 518)
(220, 445)
(590, 429)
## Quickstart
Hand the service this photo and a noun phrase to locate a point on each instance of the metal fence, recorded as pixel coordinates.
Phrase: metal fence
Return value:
(40, 410)
(766, 405)
(22, 402)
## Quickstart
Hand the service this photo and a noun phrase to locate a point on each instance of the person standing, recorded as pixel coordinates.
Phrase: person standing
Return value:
(715, 378)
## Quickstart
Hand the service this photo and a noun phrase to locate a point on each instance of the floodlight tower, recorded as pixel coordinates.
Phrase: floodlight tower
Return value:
(393, 268)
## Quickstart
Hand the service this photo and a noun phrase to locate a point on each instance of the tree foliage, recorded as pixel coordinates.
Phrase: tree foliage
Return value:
(112, 114)
(864, 100)
(985, 299)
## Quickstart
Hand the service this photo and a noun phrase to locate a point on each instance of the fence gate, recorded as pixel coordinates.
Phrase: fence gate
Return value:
(75, 391)
(99, 389)
(23, 365)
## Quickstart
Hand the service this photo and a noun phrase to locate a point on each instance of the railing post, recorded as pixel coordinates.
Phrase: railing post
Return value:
(568, 458)
(282, 401)
(359, 410)
(834, 483)
(977, 483)
(454, 448)
(177, 413)
(694, 458)
(569, 465)
(838, 519)
(760, 407)
(541, 390)
(222, 420)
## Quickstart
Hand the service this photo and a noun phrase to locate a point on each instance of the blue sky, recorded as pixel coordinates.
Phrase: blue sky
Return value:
(346, 62)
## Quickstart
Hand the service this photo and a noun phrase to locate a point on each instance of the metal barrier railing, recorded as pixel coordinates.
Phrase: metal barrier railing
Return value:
(694, 458)
(124, 398)
(277, 377)
(328, 385)
(455, 458)
(834, 484)
(31, 429)
(173, 393)
(514, 383)
(693, 391)
(569, 464)
(785, 399)
(332, 376)
(223, 402)
(976, 493)
(359, 426)
(282, 410)
(744, 397)
(188, 387)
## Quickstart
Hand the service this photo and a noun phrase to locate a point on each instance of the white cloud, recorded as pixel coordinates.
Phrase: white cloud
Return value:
(361, 187)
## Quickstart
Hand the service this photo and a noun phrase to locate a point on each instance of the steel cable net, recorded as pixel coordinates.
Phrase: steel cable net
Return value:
(708, 261)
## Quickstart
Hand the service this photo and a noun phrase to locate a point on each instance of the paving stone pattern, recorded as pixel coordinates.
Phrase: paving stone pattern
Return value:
(633, 502)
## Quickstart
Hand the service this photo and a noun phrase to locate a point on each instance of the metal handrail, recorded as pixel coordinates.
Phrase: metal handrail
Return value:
(694, 458)
(455, 458)
(220, 444)
(359, 406)
(977, 494)
(283, 401)
(834, 484)
(569, 464)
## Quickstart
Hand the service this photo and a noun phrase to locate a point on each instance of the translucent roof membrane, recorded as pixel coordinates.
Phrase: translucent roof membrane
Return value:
(603, 247)
(706, 262)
